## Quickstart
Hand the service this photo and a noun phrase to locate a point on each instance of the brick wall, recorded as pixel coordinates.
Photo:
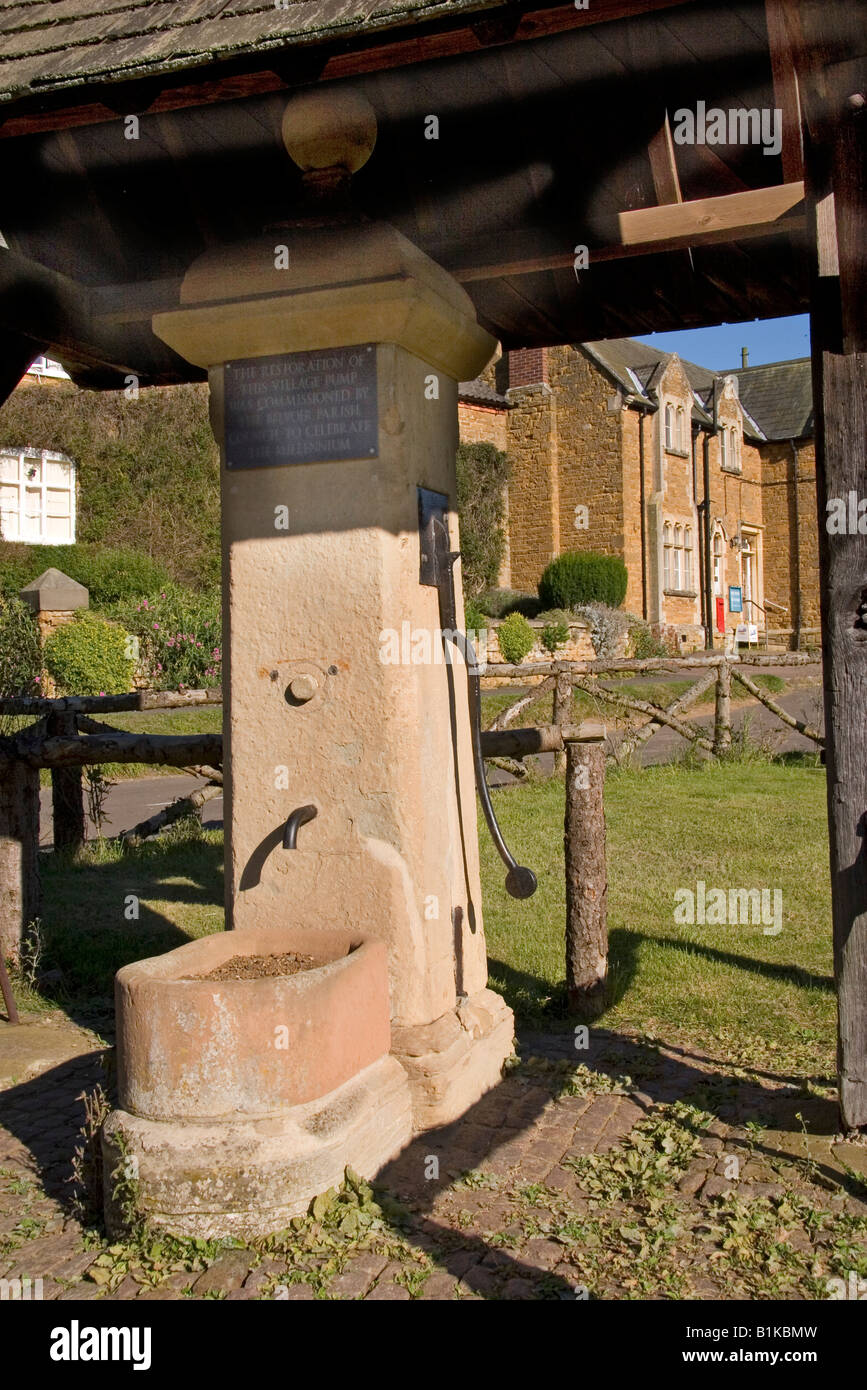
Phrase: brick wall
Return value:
(528, 366)
(786, 543)
(479, 424)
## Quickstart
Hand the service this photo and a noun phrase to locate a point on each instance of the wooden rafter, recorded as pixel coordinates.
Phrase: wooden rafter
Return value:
(786, 91)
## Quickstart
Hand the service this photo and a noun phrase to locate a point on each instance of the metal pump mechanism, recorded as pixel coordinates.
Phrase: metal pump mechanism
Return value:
(437, 571)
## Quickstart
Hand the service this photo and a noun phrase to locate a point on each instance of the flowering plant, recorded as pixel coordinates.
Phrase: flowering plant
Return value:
(179, 638)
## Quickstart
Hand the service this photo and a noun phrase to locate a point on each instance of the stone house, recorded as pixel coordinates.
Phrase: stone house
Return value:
(703, 482)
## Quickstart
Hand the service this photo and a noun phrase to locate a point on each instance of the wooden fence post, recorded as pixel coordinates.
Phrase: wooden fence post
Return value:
(562, 712)
(67, 799)
(722, 734)
(586, 879)
(20, 893)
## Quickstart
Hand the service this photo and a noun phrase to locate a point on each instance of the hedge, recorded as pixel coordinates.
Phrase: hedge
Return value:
(578, 577)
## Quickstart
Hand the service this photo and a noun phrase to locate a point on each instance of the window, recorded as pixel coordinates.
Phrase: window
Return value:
(678, 557)
(687, 558)
(680, 420)
(37, 497)
(718, 557)
(730, 450)
(666, 555)
(669, 427)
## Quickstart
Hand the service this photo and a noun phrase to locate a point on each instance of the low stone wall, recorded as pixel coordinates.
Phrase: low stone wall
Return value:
(578, 648)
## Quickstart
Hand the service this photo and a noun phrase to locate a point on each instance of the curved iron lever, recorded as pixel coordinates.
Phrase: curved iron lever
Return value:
(437, 561)
(521, 882)
(297, 818)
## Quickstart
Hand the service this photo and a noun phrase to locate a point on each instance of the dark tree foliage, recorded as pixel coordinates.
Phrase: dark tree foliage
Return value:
(147, 469)
(482, 473)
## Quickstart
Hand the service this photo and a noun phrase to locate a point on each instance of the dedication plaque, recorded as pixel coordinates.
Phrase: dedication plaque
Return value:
(301, 407)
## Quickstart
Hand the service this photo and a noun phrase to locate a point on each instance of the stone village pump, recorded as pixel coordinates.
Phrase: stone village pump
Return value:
(351, 811)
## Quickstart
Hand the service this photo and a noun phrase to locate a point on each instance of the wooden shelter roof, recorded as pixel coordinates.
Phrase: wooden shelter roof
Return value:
(554, 131)
(53, 45)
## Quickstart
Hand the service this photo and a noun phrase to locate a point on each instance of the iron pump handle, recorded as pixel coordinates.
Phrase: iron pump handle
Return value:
(437, 570)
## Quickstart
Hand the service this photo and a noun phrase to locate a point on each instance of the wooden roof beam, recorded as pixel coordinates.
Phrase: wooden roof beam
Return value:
(670, 227)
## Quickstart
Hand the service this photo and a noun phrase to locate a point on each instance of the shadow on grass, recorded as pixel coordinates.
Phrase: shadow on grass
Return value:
(96, 915)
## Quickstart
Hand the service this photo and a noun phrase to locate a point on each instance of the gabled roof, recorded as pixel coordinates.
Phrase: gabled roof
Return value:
(627, 359)
(779, 396)
(47, 45)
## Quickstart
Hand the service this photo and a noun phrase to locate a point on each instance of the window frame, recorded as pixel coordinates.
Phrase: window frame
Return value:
(25, 486)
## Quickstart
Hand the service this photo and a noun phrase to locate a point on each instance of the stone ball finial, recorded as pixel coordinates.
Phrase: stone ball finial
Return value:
(329, 129)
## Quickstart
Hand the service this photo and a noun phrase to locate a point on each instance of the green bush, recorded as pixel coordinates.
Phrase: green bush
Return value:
(515, 637)
(20, 655)
(554, 635)
(577, 577)
(474, 619)
(109, 573)
(643, 644)
(89, 657)
(482, 474)
(179, 635)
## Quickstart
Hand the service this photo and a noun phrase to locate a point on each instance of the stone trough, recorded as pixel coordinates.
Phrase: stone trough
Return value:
(241, 1099)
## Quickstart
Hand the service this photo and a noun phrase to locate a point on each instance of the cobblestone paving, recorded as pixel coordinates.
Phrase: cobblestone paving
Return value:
(538, 1192)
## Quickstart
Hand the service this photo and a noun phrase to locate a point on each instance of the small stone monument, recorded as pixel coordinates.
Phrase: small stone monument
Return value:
(54, 598)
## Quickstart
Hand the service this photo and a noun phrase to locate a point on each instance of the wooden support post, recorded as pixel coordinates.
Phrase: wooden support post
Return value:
(67, 800)
(562, 712)
(835, 141)
(586, 879)
(6, 991)
(722, 733)
(20, 896)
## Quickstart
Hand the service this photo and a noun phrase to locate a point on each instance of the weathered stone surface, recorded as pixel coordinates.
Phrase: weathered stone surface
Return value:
(250, 1177)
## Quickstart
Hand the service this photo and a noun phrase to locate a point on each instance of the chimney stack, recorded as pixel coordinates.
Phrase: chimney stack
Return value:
(745, 357)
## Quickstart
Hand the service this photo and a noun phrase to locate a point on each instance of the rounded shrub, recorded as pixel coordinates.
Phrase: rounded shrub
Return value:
(516, 638)
(578, 576)
(89, 657)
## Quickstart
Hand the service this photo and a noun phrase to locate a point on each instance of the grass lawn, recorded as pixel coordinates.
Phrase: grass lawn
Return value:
(760, 824)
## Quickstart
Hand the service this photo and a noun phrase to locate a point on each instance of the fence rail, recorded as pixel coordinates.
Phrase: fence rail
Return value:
(65, 739)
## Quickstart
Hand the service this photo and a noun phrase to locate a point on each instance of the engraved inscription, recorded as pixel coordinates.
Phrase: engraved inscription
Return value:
(301, 407)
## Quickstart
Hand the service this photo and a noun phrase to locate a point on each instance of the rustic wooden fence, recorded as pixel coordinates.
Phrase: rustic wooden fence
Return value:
(65, 738)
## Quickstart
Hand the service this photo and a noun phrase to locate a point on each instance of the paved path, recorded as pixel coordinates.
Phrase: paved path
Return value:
(537, 1192)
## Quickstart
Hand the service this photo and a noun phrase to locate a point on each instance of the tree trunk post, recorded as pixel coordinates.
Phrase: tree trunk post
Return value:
(835, 142)
(562, 712)
(20, 895)
(586, 879)
(67, 799)
(722, 734)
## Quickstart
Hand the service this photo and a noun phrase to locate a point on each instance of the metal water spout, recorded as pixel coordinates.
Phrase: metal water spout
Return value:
(297, 818)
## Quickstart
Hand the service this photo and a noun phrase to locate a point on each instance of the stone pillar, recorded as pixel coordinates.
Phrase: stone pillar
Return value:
(321, 580)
